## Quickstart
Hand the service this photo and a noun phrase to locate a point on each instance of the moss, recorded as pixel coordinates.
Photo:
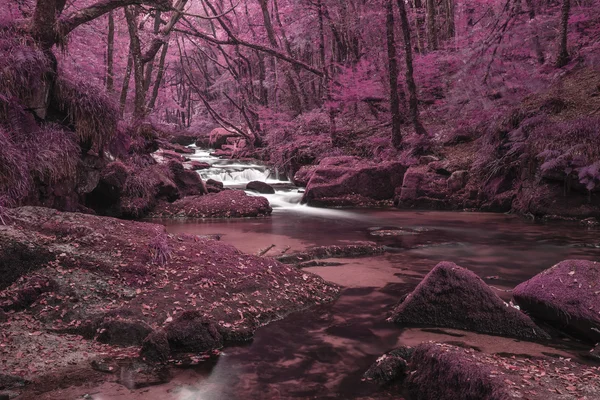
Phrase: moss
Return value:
(91, 112)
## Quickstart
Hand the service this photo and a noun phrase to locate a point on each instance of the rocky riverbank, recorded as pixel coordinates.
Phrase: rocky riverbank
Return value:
(77, 287)
(563, 298)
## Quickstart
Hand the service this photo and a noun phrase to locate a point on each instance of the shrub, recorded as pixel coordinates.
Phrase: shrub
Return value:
(93, 114)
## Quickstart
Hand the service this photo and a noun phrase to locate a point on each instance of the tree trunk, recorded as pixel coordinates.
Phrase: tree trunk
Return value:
(431, 26)
(138, 66)
(110, 51)
(537, 46)
(563, 54)
(413, 102)
(295, 96)
(159, 76)
(393, 75)
(125, 87)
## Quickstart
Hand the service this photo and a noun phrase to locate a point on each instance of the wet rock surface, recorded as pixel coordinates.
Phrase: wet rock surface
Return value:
(225, 204)
(348, 181)
(454, 297)
(260, 187)
(335, 251)
(446, 372)
(566, 296)
(114, 279)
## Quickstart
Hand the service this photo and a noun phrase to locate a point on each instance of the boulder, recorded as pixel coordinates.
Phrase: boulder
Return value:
(423, 188)
(191, 332)
(566, 296)
(220, 136)
(155, 347)
(214, 186)
(188, 182)
(222, 153)
(458, 180)
(226, 204)
(197, 165)
(260, 187)
(453, 297)
(184, 139)
(548, 199)
(170, 155)
(303, 175)
(391, 367)
(123, 332)
(136, 375)
(340, 178)
(444, 372)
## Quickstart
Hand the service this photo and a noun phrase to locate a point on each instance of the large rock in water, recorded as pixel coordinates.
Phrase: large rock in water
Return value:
(221, 136)
(442, 372)
(188, 182)
(226, 204)
(348, 181)
(454, 297)
(566, 296)
(423, 188)
(260, 187)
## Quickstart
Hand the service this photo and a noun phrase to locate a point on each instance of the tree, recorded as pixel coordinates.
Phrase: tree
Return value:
(413, 102)
(563, 56)
(48, 29)
(393, 75)
(432, 35)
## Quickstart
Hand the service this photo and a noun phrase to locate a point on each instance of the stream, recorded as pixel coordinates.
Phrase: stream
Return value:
(322, 353)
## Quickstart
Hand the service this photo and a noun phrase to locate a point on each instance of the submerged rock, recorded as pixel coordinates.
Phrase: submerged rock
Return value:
(348, 181)
(260, 187)
(566, 296)
(453, 297)
(197, 165)
(225, 204)
(356, 249)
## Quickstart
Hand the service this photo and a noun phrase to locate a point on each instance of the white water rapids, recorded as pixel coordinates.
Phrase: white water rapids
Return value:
(236, 174)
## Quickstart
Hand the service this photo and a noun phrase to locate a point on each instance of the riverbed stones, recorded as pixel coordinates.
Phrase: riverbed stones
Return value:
(225, 204)
(566, 296)
(453, 297)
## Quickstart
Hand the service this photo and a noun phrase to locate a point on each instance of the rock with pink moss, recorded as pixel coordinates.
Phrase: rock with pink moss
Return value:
(349, 181)
(226, 204)
(444, 372)
(454, 297)
(566, 296)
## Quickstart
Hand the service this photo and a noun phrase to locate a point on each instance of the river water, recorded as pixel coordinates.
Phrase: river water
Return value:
(322, 353)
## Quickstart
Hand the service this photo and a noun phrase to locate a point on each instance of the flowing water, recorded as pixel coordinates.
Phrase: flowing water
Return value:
(321, 353)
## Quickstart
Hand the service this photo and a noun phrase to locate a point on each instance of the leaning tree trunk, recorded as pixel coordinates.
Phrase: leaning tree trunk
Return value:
(413, 102)
(393, 76)
(563, 54)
